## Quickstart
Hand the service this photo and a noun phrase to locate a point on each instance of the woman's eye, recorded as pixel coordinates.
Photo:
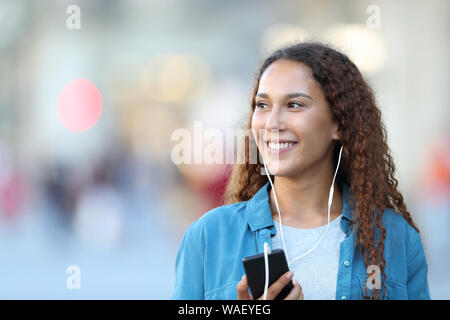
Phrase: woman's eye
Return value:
(260, 105)
(295, 105)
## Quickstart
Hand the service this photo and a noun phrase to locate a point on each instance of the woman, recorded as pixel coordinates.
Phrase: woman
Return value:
(310, 108)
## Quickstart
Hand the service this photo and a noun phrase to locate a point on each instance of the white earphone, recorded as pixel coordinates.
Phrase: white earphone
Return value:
(266, 245)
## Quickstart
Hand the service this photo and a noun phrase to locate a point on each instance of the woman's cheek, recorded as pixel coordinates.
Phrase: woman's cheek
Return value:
(258, 127)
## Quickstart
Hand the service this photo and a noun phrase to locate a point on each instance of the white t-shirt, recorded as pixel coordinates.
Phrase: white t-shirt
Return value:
(317, 271)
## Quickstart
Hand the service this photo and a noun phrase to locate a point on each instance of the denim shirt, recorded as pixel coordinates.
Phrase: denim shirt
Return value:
(208, 263)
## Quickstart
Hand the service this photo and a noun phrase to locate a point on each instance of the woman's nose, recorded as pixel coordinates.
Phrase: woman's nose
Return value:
(275, 120)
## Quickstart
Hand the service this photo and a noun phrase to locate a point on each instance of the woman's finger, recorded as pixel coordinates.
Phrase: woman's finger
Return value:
(242, 289)
(296, 292)
(277, 286)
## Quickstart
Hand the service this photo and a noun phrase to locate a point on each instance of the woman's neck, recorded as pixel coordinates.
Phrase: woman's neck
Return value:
(305, 204)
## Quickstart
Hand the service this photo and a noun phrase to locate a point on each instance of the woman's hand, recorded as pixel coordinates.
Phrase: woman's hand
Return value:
(276, 287)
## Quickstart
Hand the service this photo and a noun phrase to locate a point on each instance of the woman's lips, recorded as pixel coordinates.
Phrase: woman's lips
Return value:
(280, 148)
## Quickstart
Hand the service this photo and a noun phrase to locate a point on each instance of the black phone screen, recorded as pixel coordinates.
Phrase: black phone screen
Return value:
(255, 271)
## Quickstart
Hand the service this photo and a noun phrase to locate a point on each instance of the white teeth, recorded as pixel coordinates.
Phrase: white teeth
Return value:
(278, 146)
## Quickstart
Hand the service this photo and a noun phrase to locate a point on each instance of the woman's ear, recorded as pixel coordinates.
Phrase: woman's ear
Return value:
(336, 134)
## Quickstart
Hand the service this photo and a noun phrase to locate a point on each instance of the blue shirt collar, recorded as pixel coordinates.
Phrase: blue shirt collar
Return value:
(259, 215)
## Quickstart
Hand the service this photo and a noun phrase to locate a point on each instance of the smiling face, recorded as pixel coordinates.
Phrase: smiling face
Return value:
(291, 108)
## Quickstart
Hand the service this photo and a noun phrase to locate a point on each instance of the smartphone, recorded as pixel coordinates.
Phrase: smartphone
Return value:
(255, 271)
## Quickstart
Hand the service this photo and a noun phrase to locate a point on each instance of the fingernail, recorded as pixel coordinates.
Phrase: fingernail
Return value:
(289, 275)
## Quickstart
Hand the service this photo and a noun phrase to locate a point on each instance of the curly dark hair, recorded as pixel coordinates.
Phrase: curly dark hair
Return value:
(367, 165)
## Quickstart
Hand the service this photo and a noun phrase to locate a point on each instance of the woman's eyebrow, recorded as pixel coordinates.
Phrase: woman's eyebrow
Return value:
(288, 96)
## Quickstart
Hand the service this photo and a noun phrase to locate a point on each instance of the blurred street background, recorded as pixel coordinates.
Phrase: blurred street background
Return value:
(110, 200)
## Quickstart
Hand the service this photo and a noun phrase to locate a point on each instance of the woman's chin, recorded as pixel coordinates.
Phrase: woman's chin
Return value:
(279, 171)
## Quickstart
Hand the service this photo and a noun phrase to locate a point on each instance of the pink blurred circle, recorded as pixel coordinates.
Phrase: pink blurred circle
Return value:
(79, 105)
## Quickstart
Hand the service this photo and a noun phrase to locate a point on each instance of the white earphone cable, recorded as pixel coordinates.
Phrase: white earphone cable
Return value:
(267, 251)
(330, 199)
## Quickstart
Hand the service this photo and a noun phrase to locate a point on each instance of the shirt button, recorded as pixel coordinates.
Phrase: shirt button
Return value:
(346, 263)
(343, 297)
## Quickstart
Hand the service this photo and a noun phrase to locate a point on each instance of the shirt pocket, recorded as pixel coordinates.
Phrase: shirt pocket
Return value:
(394, 290)
(225, 292)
